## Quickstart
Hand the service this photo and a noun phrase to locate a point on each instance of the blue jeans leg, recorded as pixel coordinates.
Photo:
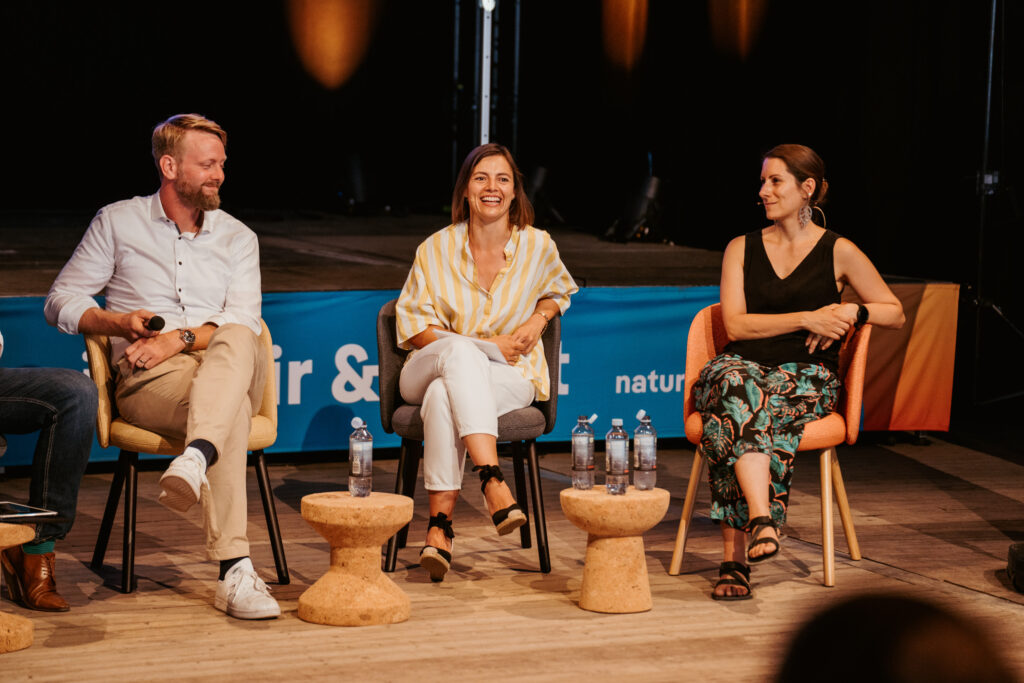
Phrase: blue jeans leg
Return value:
(61, 405)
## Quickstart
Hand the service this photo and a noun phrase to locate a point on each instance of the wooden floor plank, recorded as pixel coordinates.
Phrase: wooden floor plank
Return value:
(933, 522)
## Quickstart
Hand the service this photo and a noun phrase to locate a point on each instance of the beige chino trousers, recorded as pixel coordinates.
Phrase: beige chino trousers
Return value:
(212, 395)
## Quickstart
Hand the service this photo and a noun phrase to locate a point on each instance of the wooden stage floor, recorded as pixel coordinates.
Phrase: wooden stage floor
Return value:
(934, 521)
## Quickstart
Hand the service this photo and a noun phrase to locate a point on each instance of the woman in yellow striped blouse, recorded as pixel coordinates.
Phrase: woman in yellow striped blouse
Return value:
(489, 275)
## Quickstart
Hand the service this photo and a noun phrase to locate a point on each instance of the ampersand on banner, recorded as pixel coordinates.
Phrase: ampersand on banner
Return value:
(348, 376)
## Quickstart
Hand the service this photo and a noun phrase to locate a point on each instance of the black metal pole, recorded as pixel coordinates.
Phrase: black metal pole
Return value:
(985, 189)
(515, 81)
(456, 88)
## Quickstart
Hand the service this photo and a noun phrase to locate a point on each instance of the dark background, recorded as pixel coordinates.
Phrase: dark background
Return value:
(890, 93)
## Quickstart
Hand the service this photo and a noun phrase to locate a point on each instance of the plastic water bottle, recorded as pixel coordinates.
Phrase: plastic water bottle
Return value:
(616, 467)
(583, 453)
(360, 460)
(645, 454)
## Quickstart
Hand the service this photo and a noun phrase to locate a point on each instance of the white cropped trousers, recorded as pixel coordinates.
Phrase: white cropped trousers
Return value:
(460, 392)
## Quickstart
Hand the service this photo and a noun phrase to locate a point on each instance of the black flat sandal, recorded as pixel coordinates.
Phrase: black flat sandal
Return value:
(436, 560)
(733, 574)
(756, 526)
(507, 519)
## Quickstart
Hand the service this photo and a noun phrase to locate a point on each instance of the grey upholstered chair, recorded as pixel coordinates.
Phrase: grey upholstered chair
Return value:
(516, 427)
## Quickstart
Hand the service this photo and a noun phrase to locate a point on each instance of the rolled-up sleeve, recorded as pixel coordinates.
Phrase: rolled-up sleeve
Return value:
(243, 299)
(558, 284)
(414, 311)
(84, 275)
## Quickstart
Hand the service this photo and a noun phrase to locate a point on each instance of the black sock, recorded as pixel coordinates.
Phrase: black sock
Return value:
(207, 449)
(226, 565)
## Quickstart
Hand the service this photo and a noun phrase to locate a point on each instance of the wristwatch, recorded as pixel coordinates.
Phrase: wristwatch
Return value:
(862, 315)
(188, 337)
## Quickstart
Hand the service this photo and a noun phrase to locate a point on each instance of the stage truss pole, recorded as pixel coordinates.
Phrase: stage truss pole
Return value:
(988, 187)
(486, 61)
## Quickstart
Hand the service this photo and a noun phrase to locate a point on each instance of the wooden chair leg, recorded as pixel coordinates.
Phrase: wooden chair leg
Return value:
(539, 522)
(696, 473)
(844, 510)
(270, 512)
(519, 471)
(131, 491)
(827, 539)
(405, 485)
(109, 512)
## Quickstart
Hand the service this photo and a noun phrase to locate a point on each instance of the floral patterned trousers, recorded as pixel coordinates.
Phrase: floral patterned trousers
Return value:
(749, 407)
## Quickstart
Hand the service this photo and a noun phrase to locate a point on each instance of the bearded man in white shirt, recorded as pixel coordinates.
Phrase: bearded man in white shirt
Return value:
(176, 255)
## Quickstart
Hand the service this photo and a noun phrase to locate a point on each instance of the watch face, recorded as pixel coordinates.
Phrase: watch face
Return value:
(188, 336)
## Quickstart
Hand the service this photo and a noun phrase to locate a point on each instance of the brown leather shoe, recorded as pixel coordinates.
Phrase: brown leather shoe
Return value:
(30, 581)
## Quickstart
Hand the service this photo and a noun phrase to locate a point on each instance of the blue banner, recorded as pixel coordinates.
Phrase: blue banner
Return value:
(623, 348)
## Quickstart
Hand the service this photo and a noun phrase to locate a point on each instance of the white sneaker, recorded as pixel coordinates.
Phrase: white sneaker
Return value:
(243, 595)
(182, 481)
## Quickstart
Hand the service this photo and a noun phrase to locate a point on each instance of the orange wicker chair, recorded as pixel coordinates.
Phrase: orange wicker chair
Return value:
(706, 340)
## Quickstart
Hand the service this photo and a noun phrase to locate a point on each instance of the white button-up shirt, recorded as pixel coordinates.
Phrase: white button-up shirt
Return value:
(136, 252)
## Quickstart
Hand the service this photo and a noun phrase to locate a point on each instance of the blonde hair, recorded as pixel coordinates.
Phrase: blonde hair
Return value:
(167, 136)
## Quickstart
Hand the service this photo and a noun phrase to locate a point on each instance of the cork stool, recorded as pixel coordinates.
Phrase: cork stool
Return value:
(615, 568)
(15, 631)
(354, 591)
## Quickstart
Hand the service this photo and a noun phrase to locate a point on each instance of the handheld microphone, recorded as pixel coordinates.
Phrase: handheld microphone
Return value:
(156, 323)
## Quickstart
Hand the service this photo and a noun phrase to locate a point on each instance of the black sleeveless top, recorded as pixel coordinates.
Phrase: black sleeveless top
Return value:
(808, 288)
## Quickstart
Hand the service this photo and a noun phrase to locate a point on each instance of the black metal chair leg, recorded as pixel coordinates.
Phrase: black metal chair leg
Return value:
(409, 474)
(270, 512)
(539, 521)
(402, 488)
(520, 477)
(113, 499)
(131, 491)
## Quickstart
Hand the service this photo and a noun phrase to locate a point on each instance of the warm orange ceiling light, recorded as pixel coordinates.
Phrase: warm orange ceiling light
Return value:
(331, 36)
(625, 28)
(735, 24)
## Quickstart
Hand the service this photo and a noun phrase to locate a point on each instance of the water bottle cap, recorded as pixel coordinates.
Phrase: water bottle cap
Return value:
(640, 414)
(592, 418)
(616, 422)
(357, 422)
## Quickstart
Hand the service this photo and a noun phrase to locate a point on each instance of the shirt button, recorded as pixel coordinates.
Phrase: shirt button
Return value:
(179, 263)
(179, 289)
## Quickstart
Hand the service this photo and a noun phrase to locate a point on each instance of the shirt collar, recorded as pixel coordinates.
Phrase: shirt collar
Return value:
(158, 215)
(510, 246)
(513, 242)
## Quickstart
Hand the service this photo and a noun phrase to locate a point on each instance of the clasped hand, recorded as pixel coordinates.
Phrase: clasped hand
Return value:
(829, 323)
(149, 348)
(511, 347)
(529, 332)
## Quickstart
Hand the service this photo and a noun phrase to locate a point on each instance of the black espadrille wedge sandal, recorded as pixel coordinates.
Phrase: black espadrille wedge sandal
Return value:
(436, 560)
(507, 519)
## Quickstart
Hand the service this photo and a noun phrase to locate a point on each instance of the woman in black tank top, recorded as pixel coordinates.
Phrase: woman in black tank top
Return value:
(785, 319)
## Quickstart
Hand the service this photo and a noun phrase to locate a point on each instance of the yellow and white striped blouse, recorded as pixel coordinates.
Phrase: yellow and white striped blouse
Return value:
(441, 290)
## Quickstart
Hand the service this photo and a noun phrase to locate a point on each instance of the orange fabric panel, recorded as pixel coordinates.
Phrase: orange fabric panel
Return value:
(885, 358)
(925, 391)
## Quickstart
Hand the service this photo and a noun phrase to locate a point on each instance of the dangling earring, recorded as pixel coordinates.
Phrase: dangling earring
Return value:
(824, 221)
(805, 213)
